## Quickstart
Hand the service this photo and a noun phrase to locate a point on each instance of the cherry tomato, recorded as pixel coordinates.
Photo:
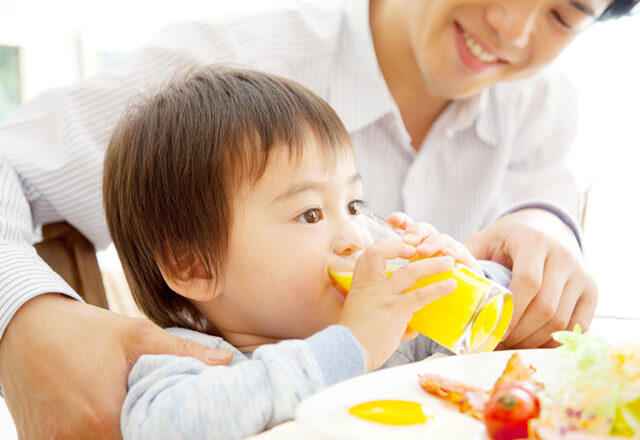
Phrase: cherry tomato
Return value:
(507, 413)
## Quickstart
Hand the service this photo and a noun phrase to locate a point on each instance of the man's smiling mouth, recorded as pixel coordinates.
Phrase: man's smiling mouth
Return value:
(477, 50)
(478, 54)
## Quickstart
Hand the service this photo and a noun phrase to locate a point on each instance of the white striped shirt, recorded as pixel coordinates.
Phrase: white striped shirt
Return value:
(482, 157)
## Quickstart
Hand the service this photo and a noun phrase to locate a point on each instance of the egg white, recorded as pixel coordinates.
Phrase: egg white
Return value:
(444, 425)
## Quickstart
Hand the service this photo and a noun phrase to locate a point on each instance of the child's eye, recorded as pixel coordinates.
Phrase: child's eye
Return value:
(355, 207)
(311, 216)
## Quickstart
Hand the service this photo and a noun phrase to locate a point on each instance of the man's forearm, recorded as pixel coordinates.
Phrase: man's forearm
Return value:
(24, 276)
(17, 333)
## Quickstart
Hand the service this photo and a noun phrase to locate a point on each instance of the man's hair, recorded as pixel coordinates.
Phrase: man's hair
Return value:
(175, 161)
(619, 8)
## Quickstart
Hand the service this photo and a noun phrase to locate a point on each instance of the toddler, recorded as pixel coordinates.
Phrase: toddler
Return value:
(225, 193)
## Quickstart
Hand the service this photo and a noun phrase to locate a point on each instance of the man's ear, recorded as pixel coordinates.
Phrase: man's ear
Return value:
(191, 281)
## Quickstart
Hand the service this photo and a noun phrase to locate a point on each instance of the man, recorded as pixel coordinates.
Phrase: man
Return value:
(440, 129)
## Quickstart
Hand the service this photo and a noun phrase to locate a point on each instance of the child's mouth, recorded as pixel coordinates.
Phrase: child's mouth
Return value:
(342, 293)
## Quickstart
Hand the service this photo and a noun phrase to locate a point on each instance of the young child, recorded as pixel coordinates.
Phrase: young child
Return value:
(225, 193)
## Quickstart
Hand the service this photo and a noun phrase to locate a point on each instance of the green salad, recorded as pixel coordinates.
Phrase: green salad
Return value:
(598, 389)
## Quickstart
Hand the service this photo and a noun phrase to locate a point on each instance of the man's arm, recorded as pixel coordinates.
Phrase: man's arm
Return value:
(63, 366)
(537, 235)
(179, 398)
(23, 275)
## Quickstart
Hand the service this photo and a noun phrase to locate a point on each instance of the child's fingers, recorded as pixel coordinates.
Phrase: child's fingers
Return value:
(437, 243)
(414, 232)
(372, 263)
(405, 277)
(465, 257)
(417, 299)
(399, 220)
(445, 245)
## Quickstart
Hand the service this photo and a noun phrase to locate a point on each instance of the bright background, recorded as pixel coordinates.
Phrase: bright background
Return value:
(62, 41)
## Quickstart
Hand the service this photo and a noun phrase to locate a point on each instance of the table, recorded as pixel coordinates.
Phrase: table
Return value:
(612, 328)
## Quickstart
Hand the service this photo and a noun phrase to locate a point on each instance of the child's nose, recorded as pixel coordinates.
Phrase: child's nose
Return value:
(345, 247)
(352, 238)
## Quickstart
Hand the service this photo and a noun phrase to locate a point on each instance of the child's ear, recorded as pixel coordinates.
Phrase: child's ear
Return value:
(190, 281)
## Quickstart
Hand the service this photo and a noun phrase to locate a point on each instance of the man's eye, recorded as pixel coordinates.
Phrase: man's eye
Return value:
(312, 216)
(355, 207)
(560, 20)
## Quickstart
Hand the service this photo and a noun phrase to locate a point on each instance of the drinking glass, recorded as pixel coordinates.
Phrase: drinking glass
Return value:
(473, 318)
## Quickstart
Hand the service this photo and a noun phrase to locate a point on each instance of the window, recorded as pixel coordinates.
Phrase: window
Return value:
(10, 83)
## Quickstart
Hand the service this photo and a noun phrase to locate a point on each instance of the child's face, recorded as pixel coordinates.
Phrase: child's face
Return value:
(276, 283)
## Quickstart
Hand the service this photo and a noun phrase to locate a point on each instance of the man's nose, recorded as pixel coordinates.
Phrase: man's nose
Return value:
(513, 21)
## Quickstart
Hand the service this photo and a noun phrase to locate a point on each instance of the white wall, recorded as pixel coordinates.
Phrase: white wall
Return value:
(604, 64)
(48, 54)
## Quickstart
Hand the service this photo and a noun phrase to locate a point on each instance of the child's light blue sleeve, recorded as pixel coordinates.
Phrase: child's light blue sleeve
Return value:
(422, 347)
(496, 272)
(173, 397)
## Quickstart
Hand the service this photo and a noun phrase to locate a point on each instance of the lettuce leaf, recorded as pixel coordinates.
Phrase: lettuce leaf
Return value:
(600, 387)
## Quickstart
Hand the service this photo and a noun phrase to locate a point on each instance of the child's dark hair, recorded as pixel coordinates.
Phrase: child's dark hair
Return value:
(175, 160)
(619, 8)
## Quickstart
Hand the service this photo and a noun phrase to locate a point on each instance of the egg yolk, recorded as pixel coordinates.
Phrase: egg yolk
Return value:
(390, 412)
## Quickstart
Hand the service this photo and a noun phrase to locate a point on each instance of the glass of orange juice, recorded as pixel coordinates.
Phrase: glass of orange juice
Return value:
(473, 318)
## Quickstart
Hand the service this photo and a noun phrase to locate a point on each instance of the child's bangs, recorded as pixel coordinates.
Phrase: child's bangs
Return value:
(266, 113)
(256, 152)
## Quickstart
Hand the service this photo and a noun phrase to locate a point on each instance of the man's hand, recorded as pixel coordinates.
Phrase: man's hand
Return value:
(64, 366)
(551, 287)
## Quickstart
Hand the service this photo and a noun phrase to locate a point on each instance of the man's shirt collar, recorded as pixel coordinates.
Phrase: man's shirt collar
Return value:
(360, 95)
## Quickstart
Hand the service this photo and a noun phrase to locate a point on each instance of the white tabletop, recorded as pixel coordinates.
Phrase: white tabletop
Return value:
(614, 329)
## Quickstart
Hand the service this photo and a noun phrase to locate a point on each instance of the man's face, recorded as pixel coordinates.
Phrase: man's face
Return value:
(464, 46)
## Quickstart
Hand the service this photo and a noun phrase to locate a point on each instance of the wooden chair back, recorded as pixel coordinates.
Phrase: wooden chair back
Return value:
(73, 257)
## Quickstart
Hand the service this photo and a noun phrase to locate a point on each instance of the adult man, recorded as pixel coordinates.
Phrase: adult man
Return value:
(438, 132)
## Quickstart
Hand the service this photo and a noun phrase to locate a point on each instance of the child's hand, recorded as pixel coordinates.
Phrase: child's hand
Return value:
(429, 241)
(377, 310)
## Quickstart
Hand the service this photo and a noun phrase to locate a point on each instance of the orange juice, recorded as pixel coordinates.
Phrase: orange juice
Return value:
(470, 319)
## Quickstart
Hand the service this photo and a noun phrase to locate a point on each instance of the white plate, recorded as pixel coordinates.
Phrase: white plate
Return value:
(327, 411)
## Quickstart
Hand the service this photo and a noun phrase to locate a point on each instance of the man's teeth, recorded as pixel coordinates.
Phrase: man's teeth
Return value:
(477, 50)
